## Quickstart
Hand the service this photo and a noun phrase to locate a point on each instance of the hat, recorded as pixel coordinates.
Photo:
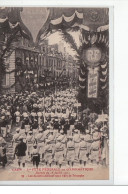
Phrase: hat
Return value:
(61, 131)
(92, 125)
(25, 114)
(51, 130)
(87, 131)
(40, 129)
(30, 132)
(96, 128)
(70, 137)
(81, 136)
(76, 130)
(21, 137)
(3, 117)
(8, 113)
(17, 129)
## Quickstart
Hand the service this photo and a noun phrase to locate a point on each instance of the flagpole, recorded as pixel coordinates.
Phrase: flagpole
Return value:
(77, 110)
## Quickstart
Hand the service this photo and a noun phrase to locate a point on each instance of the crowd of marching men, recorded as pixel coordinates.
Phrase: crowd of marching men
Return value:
(49, 130)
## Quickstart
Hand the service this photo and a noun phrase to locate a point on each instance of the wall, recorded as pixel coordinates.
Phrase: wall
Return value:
(10, 77)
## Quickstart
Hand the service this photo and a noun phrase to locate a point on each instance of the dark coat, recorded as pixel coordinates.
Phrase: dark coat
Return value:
(20, 149)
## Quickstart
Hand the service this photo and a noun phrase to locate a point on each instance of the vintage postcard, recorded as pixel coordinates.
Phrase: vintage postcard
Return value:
(54, 93)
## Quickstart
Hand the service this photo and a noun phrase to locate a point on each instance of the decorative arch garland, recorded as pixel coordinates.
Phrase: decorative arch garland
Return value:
(104, 80)
(102, 41)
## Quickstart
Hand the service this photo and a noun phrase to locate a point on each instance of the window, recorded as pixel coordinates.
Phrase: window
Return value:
(50, 62)
(42, 61)
(43, 49)
(4, 80)
(23, 58)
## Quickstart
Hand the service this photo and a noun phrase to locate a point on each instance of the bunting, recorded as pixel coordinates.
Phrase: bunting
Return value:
(105, 72)
(104, 65)
(81, 79)
(91, 35)
(103, 80)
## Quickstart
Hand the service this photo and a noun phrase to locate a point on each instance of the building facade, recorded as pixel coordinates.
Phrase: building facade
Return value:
(54, 66)
(21, 67)
(28, 66)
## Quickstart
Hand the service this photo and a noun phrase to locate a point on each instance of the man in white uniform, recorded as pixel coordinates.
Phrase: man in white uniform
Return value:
(76, 139)
(70, 151)
(83, 150)
(15, 139)
(40, 138)
(59, 152)
(30, 140)
(48, 156)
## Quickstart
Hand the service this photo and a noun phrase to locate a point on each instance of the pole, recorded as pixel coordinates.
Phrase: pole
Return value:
(77, 111)
(44, 98)
(55, 89)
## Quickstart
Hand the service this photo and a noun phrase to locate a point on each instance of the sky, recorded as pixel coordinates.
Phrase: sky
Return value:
(34, 18)
(57, 38)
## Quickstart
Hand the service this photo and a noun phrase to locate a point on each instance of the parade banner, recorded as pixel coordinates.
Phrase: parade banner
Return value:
(77, 104)
(93, 83)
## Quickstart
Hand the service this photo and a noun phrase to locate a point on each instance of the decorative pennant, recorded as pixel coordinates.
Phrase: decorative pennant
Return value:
(83, 73)
(81, 79)
(102, 28)
(105, 72)
(103, 80)
(104, 66)
(83, 87)
(100, 38)
(103, 87)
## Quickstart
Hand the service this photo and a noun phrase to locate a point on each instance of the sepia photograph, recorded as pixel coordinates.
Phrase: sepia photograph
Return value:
(54, 93)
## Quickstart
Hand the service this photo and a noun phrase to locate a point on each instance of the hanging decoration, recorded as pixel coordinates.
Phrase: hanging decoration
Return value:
(93, 82)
